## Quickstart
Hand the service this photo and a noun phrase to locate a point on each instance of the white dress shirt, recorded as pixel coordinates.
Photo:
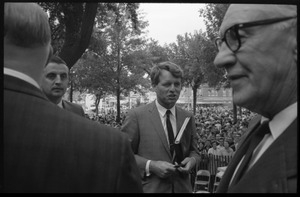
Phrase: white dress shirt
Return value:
(163, 117)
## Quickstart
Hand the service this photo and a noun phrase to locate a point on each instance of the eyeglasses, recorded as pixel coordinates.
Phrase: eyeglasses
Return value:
(232, 37)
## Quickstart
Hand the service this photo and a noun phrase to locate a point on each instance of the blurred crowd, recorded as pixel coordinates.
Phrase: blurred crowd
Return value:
(215, 125)
(217, 129)
(108, 118)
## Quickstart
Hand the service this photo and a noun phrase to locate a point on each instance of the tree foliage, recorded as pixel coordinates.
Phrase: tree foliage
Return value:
(188, 52)
(72, 25)
(91, 75)
(106, 68)
(213, 16)
(116, 57)
(144, 59)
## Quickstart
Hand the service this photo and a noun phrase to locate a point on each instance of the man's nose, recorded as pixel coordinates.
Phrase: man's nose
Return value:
(172, 87)
(225, 57)
(57, 79)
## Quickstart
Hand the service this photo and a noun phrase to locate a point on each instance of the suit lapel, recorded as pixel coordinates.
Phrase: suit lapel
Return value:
(283, 150)
(158, 127)
(66, 105)
(63, 104)
(224, 184)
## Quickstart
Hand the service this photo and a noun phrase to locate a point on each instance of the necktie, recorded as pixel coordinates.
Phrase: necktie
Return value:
(170, 132)
(257, 136)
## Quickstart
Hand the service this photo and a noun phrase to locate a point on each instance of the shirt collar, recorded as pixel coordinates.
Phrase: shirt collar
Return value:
(60, 104)
(22, 76)
(282, 120)
(162, 110)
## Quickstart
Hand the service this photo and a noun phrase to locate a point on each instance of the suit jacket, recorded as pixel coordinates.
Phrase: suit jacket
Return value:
(149, 141)
(48, 149)
(274, 172)
(72, 107)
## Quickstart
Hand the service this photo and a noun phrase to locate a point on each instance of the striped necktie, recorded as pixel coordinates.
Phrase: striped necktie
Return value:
(170, 132)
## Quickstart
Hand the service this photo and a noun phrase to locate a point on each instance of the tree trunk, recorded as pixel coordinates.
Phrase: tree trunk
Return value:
(118, 118)
(240, 111)
(97, 101)
(118, 105)
(234, 111)
(75, 44)
(194, 100)
(71, 92)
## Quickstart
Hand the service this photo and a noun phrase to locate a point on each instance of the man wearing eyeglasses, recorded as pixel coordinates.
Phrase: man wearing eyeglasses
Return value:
(258, 49)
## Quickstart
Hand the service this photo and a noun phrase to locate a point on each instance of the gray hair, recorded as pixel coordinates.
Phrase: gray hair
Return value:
(26, 25)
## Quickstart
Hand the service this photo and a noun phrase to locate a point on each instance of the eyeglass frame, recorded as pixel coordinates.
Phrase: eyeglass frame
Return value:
(236, 28)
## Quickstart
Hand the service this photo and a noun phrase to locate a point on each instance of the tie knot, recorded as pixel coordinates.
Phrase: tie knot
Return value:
(168, 112)
(264, 129)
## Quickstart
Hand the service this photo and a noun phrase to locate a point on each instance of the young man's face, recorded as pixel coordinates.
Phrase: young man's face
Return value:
(55, 80)
(168, 89)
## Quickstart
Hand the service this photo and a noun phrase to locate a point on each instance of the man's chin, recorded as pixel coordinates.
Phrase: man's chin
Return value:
(57, 94)
(171, 103)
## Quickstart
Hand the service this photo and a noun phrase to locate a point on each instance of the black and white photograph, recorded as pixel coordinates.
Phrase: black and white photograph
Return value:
(150, 97)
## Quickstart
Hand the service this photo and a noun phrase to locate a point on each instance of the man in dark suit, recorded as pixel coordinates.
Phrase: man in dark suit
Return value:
(55, 82)
(258, 49)
(45, 148)
(151, 143)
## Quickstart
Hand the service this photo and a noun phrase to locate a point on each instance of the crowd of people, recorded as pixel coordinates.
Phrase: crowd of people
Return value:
(108, 118)
(214, 123)
(216, 128)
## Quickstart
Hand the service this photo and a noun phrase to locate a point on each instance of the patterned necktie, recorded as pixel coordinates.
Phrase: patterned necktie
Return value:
(256, 138)
(170, 132)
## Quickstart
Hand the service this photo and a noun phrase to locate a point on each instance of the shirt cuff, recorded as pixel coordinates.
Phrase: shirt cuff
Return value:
(147, 168)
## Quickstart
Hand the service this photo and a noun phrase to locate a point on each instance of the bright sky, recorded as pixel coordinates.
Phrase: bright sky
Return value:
(167, 20)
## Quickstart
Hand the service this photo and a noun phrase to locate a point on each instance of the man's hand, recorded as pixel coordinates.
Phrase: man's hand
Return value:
(162, 169)
(187, 165)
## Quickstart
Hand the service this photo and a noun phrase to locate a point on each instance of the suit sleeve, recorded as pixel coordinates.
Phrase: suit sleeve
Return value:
(130, 181)
(131, 128)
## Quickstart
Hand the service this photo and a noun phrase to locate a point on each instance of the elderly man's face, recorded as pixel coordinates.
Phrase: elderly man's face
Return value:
(263, 72)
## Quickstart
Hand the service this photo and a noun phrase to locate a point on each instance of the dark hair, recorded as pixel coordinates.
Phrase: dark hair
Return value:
(57, 60)
(174, 69)
(227, 142)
